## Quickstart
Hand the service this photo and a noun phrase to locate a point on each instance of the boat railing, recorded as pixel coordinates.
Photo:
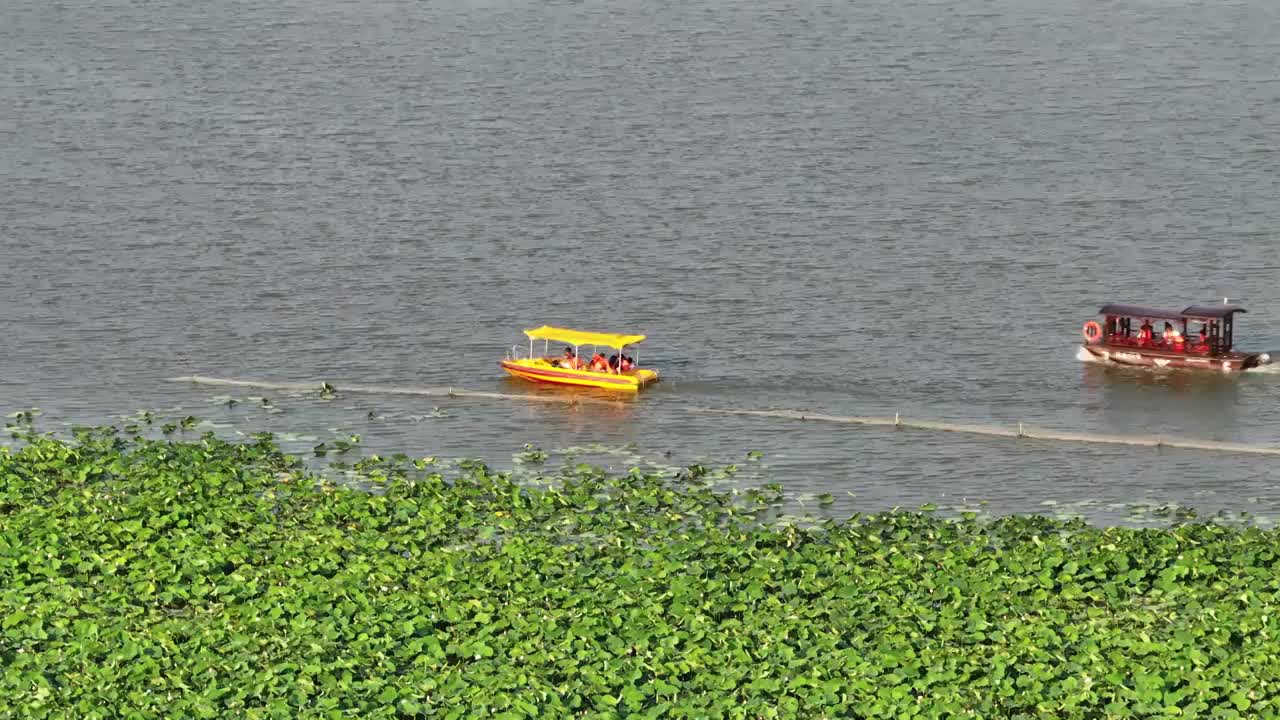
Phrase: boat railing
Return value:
(520, 352)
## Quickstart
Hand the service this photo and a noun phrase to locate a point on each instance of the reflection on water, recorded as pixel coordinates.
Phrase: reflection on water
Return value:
(1097, 376)
(580, 412)
(569, 393)
(1136, 399)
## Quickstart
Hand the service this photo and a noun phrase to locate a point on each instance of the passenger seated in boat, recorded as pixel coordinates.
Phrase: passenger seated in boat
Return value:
(1202, 341)
(599, 364)
(625, 363)
(1145, 333)
(1172, 338)
(570, 360)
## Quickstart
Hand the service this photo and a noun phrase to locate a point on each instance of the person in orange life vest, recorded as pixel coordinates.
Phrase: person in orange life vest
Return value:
(599, 364)
(1144, 333)
(1202, 342)
(1172, 337)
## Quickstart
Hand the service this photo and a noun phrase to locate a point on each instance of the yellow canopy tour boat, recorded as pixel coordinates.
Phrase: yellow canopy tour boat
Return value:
(617, 372)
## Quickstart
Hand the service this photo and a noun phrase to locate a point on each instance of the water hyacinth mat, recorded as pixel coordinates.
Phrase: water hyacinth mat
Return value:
(198, 576)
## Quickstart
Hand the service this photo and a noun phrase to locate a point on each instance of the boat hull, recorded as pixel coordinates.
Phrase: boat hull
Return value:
(542, 371)
(1130, 356)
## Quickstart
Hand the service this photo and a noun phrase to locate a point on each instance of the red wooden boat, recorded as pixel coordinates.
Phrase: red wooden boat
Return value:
(1127, 336)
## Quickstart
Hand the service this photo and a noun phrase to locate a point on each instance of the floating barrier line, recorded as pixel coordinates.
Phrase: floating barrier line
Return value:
(1020, 431)
(420, 391)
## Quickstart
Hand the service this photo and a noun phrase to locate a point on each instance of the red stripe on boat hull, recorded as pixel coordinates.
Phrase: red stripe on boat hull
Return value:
(544, 375)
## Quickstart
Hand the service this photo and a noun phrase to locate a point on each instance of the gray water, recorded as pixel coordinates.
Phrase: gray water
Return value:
(857, 208)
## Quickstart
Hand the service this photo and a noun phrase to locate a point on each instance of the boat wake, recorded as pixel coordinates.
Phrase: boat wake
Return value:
(1272, 368)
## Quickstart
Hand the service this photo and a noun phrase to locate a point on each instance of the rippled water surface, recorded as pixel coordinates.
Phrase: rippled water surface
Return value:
(860, 208)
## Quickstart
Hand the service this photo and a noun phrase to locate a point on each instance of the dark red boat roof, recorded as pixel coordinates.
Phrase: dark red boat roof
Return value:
(1141, 311)
(1212, 312)
(1195, 312)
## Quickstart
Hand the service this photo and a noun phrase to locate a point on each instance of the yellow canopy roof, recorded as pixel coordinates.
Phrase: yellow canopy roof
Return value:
(582, 337)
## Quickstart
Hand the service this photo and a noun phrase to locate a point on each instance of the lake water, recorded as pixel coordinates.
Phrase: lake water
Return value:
(859, 208)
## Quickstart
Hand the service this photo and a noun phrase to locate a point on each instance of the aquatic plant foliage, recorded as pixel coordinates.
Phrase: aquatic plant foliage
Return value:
(157, 578)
